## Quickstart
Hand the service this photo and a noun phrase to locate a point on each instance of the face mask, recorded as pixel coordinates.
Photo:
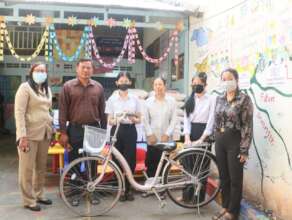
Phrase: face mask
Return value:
(229, 86)
(123, 87)
(39, 77)
(198, 88)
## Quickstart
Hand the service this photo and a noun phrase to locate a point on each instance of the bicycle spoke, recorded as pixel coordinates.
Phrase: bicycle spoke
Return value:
(74, 186)
(196, 167)
(107, 188)
(195, 164)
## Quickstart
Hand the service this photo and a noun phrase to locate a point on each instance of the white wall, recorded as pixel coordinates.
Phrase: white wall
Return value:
(255, 37)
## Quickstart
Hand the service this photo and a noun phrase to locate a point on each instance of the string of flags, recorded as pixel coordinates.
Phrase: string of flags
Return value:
(87, 43)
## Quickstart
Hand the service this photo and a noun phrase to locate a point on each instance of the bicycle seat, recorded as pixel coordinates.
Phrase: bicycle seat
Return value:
(165, 146)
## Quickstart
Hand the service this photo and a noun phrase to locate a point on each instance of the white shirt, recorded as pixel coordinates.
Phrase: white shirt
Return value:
(160, 116)
(204, 112)
(116, 104)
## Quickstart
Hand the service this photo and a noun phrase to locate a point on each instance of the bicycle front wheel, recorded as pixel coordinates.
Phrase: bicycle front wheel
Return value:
(193, 178)
(81, 195)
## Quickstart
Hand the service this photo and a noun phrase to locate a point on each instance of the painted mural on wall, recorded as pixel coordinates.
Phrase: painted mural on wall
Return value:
(256, 39)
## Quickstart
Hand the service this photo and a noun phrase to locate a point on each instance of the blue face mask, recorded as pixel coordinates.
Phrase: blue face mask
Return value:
(39, 77)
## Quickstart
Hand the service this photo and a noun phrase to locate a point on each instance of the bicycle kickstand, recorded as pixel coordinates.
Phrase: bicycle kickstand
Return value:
(162, 202)
(197, 197)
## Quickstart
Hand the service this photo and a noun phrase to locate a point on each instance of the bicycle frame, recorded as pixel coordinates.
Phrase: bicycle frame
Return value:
(129, 175)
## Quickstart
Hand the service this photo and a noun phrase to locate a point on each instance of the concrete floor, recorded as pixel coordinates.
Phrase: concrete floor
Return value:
(141, 208)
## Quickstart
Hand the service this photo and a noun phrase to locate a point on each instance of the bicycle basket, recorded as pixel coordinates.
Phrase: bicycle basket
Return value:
(94, 139)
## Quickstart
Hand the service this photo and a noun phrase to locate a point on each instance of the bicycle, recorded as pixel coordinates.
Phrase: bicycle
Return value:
(98, 176)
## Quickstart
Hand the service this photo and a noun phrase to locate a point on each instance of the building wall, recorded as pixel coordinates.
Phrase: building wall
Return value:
(255, 37)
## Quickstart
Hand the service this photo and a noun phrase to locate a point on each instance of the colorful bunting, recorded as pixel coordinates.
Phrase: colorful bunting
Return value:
(36, 52)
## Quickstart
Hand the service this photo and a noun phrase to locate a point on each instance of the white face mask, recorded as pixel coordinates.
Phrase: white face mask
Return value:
(229, 86)
(39, 77)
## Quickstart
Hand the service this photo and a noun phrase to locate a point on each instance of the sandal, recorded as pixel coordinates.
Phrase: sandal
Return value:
(228, 216)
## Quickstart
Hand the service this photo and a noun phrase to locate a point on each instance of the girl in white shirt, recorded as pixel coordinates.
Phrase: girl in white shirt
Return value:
(199, 111)
(127, 134)
(198, 124)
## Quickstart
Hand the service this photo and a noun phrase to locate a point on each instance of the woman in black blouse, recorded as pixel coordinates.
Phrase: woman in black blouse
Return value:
(233, 135)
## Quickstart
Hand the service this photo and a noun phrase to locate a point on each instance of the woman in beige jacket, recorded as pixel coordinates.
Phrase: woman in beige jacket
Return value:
(33, 132)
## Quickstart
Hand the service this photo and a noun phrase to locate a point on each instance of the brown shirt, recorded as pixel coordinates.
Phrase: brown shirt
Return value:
(81, 104)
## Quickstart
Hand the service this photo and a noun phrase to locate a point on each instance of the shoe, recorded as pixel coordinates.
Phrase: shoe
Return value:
(75, 202)
(123, 197)
(130, 196)
(45, 201)
(35, 208)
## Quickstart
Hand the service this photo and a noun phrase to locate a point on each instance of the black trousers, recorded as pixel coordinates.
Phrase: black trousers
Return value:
(153, 156)
(227, 147)
(197, 129)
(126, 144)
(76, 134)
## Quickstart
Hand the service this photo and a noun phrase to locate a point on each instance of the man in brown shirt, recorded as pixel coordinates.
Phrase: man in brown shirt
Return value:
(81, 103)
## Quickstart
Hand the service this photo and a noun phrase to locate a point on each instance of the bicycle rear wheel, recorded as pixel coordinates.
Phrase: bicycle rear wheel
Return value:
(195, 180)
(78, 193)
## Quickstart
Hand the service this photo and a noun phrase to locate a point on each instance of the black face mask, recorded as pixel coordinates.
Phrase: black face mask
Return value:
(123, 87)
(198, 88)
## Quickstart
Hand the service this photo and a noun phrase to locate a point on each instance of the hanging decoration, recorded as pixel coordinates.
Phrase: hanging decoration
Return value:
(173, 39)
(91, 22)
(47, 47)
(2, 25)
(87, 43)
(95, 21)
(72, 21)
(36, 52)
(131, 46)
(97, 55)
(130, 42)
(111, 22)
(49, 20)
(127, 23)
(54, 42)
(29, 19)
(49, 51)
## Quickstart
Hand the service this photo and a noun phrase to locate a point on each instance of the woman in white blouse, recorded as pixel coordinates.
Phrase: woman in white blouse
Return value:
(160, 121)
(127, 134)
(198, 122)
